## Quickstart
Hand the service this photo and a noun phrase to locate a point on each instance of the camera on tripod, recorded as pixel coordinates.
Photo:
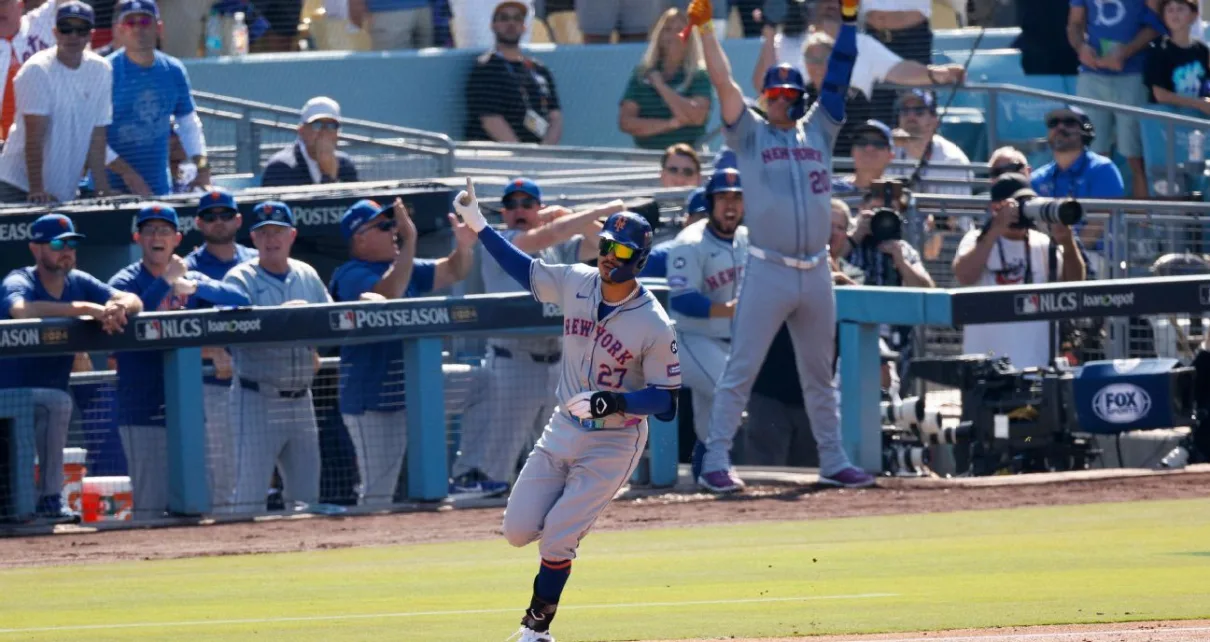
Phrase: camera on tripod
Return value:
(912, 424)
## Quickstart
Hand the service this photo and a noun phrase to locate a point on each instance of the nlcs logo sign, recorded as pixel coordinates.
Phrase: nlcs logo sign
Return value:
(1121, 403)
(1045, 303)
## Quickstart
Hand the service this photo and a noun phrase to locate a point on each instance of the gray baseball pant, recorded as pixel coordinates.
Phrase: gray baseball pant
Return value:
(702, 361)
(804, 301)
(52, 416)
(270, 430)
(146, 449)
(220, 452)
(520, 399)
(381, 438)
(570, 477)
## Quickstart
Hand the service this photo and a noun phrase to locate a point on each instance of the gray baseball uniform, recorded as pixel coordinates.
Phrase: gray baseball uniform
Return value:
(701, 262)
(271, 412)
(787, 209)
(578, 465)
(523, 373)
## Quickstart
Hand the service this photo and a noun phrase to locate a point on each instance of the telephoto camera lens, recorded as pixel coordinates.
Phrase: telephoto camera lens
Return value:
(1048, 210)
(886, 225)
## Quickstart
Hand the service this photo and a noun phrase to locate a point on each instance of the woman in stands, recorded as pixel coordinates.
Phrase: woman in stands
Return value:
(668, 98)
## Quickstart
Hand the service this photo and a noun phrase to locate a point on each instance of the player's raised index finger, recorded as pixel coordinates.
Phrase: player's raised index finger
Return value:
(470, 187)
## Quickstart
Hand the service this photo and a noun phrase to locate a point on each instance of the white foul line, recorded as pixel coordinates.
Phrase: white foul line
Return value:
(370, 616)
(939, 636)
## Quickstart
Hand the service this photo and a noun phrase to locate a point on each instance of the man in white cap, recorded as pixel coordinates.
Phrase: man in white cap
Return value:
(313, 158)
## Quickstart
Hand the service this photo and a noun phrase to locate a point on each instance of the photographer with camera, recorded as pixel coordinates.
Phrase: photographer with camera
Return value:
(1010, 250)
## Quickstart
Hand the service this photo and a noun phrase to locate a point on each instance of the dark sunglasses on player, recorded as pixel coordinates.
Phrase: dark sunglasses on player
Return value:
(73, 30)
(59, 244)
(211, 216)
(1000, 170)
(683, 171)
(1066, 122)
(517, 203)
(876, 143)
(785, 93)
(141, 20)
(621, 251)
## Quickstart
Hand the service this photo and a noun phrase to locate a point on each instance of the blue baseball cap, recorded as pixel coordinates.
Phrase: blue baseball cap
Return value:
(134, 7)
(696, 203)
(53, 227)
(361, 212)
(523, 185)
(725, 159)
(158, 212)
(75, 10)
(272, 213)
(216, 198)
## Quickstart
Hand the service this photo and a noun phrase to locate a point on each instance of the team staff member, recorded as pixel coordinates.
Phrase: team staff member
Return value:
(786, 160)
(218, 220)
(704, 271)
(382, 244)
(495, 433)
(52, 287)
(162, 281)
(271, 410)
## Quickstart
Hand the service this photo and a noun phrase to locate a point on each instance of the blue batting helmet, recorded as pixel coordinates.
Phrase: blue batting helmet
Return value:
(633, 231)
(723, 180)
(785, 75)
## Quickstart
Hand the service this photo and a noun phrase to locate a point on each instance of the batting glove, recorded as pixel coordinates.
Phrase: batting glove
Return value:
(467, 207)
(594, 405)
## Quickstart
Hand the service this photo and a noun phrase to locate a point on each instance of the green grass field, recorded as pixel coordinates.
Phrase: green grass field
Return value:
(1097, 563)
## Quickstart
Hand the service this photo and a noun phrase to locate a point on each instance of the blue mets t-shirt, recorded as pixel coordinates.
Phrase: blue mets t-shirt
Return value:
(372, 373)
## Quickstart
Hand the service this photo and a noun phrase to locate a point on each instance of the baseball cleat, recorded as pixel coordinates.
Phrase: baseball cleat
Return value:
(51, 509)
(850, 477)
(529, 635)
(720, 481)
(475, 485)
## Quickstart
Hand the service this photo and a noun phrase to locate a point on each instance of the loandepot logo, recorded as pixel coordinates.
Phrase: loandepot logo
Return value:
(1108, 300)
(1121, 403)
(233, 327)
(168, 329)
(1048, 302)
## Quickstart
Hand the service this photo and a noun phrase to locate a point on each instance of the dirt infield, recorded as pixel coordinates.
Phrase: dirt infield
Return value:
(759, 503)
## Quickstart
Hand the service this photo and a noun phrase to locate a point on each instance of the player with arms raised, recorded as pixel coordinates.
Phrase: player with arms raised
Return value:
(619, 365)
(786, 162)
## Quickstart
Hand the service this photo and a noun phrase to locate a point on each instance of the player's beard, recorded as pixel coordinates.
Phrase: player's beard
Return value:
(219, 239)
(61, 264)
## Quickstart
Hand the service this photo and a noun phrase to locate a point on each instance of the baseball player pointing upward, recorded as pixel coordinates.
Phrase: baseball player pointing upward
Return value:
(786, 161)
(619, 365)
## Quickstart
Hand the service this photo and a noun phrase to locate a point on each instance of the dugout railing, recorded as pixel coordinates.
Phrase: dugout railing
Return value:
(423, 326)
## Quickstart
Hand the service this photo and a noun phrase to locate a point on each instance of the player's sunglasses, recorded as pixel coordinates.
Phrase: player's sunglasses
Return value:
(59, 245)
(141, 20)
(999, 170)
(519, 203)
(683, 171)
(1066, 122)
(68, 29)
(617, 249)
(876, 143)
(785, 93)
(382, 226)
(211, 216)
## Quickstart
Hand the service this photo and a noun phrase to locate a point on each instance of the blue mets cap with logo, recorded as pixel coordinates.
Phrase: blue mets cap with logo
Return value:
(75, 10)
(158, 212)
(272, 213)
(52, 227)
(361, 212)
(134, 7)
(216, 198)
(523, 185)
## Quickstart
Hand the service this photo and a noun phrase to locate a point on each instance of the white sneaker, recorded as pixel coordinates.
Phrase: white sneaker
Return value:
(529, 635)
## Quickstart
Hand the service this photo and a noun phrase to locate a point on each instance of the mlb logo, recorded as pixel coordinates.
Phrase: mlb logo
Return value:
(1027, 304)
(343, 320)
(148, 330)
